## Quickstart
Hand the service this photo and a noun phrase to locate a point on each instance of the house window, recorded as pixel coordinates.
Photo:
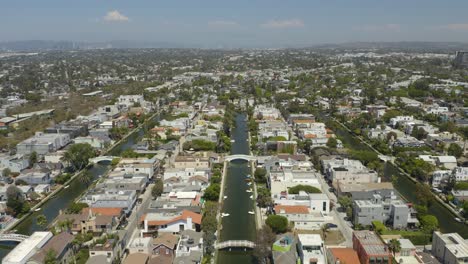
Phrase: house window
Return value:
(167, 251)
(324, 206)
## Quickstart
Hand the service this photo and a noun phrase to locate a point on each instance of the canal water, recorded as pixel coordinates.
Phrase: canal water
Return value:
(63, 199)
(406, 188)
(239, 225)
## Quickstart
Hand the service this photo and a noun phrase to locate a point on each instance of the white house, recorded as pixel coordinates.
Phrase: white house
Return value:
(171, 222)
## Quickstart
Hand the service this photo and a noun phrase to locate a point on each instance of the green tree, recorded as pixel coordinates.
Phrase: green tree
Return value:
(50, 257)
(394, 245)
(15, 200)
(306, 188)
(6, 172)
(278, 223)
(33, 158)
(429, 223)
(129, 153)
(212, 192)
(264, 197)
(263, 244)
(78, 155)
(41, 221)
(332, 142)
(157, 189)
(260, 175)
(76, 208)
(86, 178)
(423, 194)
(455, 150)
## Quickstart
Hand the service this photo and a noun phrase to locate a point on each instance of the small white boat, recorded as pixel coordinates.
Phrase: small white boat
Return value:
(249, 183)
(248, 176)
(37, 209)
(225, 197)
(251, 197)
(232, 141)
(223, 215)
(251, 212)
(66, 187)
(458, 219)
(249, 190)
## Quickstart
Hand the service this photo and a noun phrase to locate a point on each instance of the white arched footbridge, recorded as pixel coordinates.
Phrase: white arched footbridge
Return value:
(12, 237)
(235, 244)
(241, 157)
(102, 158)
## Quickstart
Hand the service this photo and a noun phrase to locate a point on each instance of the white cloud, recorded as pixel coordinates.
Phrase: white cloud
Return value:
(454, 27)
(222, 24)
(282, 24)
(115, 16)
(385, 27)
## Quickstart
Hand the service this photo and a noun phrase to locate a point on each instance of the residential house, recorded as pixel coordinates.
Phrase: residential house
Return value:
(440, 177)
(337, 255)
(182, 162)
(14, 163)
(449, 248)
(70, 129)
(35, 177)
(311, 249)
(285, 249)
(370, 248)
(460, 174)
(346, 171)
(62, 246)
(170, 222)
(302, 216)
(190, 247)
(95, 142)
(388, 210)
(102, 253)
(27, 249)
(124, 199)
(163, 248)
(43, 143)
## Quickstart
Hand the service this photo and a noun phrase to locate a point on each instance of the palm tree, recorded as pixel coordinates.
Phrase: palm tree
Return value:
(325, 228)
(394, 246)
(41, 221)
(86, 178)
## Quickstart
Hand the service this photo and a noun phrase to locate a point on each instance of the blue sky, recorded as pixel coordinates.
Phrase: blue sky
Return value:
(236, 22)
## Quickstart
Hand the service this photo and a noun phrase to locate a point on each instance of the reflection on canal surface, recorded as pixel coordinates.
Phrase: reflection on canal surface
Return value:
(239, 225)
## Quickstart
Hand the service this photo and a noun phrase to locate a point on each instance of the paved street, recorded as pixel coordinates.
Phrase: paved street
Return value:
(131, 229)
(343, 225)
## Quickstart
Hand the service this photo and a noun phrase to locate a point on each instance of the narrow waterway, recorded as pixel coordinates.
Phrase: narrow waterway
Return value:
(407, 188)
(63, 199)
(239, 225)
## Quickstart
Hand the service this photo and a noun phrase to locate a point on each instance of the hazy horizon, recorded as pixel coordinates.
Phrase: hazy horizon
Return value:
(241, 23)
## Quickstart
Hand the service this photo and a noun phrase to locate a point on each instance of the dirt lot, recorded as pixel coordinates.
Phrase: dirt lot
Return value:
(332, 237)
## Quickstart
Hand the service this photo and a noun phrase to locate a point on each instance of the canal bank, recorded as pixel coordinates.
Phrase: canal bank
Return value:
(239, 224)
(406, 187)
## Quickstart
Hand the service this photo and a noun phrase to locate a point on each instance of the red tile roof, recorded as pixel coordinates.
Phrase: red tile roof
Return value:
(107, 211)
(292, 209)
(345, 255)
(196, 218)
